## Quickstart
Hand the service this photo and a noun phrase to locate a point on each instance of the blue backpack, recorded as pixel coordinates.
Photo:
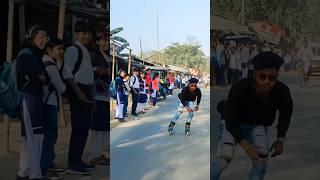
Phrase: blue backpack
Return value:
(9, 94)
(113, 90)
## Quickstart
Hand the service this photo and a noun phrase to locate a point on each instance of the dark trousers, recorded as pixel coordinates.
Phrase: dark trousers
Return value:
(135, 100)
(101, 116)
(155, 99)
(219, 73)
(125, 107)
(250, 73)
(50, 136)
(81, 118)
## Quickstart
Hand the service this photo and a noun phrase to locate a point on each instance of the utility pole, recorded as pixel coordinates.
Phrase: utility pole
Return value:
(158, 36)
(9, 57)
(140, 49)
(242, 13)
(62, 12)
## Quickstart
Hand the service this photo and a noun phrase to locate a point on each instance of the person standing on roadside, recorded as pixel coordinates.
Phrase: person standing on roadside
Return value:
(79, 75)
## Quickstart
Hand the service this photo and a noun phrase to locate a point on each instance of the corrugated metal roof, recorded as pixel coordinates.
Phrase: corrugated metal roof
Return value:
(77, 6)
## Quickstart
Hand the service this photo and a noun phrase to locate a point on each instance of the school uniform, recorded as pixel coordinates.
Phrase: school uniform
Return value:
(120, 86)
(126, 96)
(50, 98)
(81, 113)
(142, 95)
(134, 83)
(100, 126)
(29, 67)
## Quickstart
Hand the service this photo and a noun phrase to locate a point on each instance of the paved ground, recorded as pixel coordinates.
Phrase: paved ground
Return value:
(301, 159)
(9, 161)
(143, 150)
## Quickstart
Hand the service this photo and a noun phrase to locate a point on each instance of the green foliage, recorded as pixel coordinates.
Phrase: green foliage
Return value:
(186, 55)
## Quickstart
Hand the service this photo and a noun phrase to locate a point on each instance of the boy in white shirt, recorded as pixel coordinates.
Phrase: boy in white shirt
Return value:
(52, 91)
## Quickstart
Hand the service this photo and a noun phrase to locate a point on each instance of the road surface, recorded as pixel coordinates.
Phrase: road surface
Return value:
(143, 150)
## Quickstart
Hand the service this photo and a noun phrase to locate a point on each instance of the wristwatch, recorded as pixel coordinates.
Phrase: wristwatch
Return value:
(282, 139)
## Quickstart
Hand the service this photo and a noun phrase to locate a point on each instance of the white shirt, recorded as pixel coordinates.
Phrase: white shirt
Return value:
(287, 58)
(134, 82)
(238, 60)
(245, 54)
(127, 90)
(233, 61)
(55, 80)
(85, 73)
(305, 54)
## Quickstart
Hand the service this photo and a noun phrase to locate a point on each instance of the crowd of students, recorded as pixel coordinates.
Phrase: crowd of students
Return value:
(143, 87)
(233, 60)
(83, 78)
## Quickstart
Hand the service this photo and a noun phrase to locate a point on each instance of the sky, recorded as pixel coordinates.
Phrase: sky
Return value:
(178, 19)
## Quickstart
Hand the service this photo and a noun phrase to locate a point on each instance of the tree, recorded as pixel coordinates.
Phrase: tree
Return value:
(188, 55)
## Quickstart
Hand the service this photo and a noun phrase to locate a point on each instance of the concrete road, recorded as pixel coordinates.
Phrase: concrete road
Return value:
(143, 150)
(301, 159)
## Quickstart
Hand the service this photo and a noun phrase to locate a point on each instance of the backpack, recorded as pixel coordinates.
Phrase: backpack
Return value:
(9, 93)
(78, 63)
(113, 90)
(51, 87)
(76, 66)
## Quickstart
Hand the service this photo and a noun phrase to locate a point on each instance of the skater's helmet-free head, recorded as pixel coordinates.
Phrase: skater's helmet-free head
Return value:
(266, 71)
(193, 82)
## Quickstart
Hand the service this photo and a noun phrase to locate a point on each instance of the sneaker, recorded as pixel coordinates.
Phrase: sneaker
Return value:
(121, 120)
(80, 170)
(89, 166)
(55, 168)
(50, 175)
(22, 178)
(102, 161)
(116, 117)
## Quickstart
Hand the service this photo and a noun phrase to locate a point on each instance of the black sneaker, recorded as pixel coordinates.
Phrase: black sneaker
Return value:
(121, 120)
(80, 170)
(50, 175)
(89, 166)
(22, 178)
(55, 168)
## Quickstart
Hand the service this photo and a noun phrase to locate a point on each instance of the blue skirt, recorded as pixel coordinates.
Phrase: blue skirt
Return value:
(143, 98)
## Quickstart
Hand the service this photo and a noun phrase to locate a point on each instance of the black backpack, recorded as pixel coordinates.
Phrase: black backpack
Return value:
(51, 87)
(76, 66)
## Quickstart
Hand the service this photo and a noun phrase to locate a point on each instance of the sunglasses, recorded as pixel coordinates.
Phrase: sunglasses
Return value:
(270, 77)
(193, 85)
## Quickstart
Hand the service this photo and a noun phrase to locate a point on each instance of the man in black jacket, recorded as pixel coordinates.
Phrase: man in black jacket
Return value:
(188, 96)
(250, 110)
